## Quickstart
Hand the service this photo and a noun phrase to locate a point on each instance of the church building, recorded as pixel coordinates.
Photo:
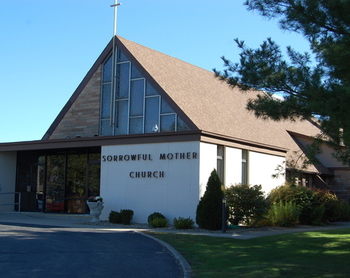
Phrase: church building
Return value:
(144, 130)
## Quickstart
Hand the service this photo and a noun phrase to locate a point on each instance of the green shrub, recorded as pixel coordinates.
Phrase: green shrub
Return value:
(183, 223)
(329, 201)
(317, 215)
(341, 211)
(157, 220)
(153, 216)
(245, 203)
(126, 216)
(263, 222)
(209, 211)
(305, 199)
(332, 212)
(335, 209)
(284, 214)
(159, 223)
(114, 217)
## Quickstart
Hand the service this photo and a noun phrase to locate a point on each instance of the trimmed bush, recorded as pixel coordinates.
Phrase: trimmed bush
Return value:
(183, 223)
(153, 216)
(157, 220)
(284, 214)
(245, 203)
(159, 223)
(126, 216)
(209, 211)
(114, 217)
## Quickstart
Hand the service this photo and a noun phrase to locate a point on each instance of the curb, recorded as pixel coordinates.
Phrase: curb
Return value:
(186, 268)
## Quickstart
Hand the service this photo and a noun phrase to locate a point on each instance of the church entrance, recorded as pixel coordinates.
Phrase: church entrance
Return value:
(58, 180)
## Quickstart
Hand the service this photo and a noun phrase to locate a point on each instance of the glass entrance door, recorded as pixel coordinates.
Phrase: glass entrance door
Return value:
(72, 176)
(55, 182)
(31, 185)
(58, 181)
(76, 182)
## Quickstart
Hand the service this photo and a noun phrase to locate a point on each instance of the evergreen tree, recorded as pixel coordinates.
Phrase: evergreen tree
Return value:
(319, 91)
(209, 209)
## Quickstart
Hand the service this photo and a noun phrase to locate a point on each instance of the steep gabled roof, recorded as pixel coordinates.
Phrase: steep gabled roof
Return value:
(200, 99)
(211, 104)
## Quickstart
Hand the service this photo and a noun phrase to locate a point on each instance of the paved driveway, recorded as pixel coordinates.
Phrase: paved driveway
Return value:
(47, 251)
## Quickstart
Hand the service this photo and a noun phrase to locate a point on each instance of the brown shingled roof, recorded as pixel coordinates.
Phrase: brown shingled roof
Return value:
(201, 100)
(211, 104)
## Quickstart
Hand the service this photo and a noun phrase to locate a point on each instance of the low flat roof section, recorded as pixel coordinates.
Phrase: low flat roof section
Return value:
(98, 141)
(164, 137)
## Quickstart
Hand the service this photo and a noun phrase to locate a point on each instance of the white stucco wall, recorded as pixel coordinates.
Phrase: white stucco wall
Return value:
(172, 188)
(208, 162)
(173, 185)
(262, 167)
(7, 179)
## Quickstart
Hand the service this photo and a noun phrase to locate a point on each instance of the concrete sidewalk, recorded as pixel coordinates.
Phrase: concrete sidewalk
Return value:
(37, 218)
(81, 221)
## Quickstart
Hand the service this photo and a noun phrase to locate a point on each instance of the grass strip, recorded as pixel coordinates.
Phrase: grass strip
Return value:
(310, 254)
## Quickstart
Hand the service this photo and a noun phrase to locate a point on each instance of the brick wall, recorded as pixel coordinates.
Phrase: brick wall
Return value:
(83, 117)
(340, 184)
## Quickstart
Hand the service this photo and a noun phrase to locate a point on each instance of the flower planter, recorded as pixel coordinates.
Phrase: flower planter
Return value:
(95, 210)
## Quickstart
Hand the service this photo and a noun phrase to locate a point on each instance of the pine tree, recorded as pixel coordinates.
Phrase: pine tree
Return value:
(209, 209)
(317, 91)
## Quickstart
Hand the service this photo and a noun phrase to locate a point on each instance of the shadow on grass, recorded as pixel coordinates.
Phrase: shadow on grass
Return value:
(310, 254)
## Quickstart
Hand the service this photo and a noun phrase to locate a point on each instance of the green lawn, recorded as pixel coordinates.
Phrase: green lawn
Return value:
(310, 254)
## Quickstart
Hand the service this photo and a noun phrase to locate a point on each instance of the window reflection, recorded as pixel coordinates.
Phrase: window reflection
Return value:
(135, 73)
(136, 125)
(136, 98)
(120, 56)
(106, 101)
(106, 128)
(71, 176)
(94, 180)
(167, 123)
(181, 126)
(122, 88)
(151, 114)
(76, 182)
(107, 71)
(121, 117)
(55, 183)
(150, 91)
(166, 108)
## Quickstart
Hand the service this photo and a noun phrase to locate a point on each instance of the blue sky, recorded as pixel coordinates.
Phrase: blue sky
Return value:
(47, 47)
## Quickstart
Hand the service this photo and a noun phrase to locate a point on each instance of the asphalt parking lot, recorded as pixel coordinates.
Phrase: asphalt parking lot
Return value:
(56, 245)
(32, 250)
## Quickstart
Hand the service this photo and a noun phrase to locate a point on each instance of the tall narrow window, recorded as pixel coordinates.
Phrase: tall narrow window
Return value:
(221, 163)
(151, 114)
(244, 167)
(123, 76)
(121, 117)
